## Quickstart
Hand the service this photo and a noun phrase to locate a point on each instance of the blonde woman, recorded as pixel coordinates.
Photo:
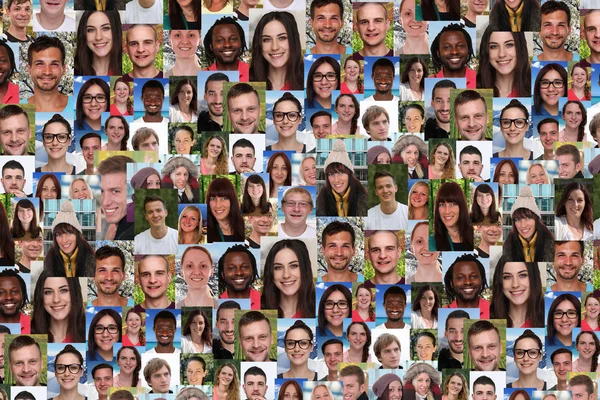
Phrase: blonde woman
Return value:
(190, 226)
(321, 392)
(455, 387)
(442, 162)
(217, 7)
(226, 385)
(537, 174)
(214, 156)
(80, 190)
(418, 201)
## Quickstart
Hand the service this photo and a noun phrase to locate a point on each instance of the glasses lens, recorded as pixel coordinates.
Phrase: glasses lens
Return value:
(304, 344)
(520, 123)
(60, 368)
(113, 329)
(317, 77)
(101, 98)
(342, 304)
(572, 314)
(331, 76)
(558, 83)
(278, 116)
(329, 305)
(519, 353)
(74, 368)
(293, 116)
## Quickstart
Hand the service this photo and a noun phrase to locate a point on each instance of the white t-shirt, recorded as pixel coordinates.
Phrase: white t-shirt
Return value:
(68, 25)
(145, 243)
(562, 231)
(378, 220)
(296, 5)
(136, 14)
(310, 232)
(153, 351)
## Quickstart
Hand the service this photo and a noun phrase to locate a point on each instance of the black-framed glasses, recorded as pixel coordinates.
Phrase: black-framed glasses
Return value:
(330, 304)
(330, 76)
(507, 122)
(531, 353)
(557, 83)
(88, 98)
(571, 314)
(73, 368)
(112, 329)
(292, 116)
(61, 137)
(291, 344)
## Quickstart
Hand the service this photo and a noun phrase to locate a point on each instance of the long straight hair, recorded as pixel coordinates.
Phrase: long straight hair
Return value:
(176, 14)
(450, 192)
(91, 334)
(559, 299)
(356, 189)
(138, 363)
(206, 335)
(321, 321)
(310, 90)
(222, 187)
(83, 55)
(587, 215)
(543, 235)
(247, 205)
(537, 97)
(18, 231)
(288, 165)
(476, 212)
(54, 262)
(179, 87)
(79, 114)
(7, 244)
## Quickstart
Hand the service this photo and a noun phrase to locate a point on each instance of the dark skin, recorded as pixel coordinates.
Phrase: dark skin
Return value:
(383, 78)
(454, 54)
(153, 99)
(5, 67)
(226, 47)
(165, 334)
(10, 293)
(394, 308)
(467, 284)
(237, 273)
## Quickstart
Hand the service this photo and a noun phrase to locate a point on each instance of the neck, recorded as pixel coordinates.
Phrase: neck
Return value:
(277, 77)
(352, 85)
(414, 86)
(344, 126)
(113, 146)
(50, 22)
(593, 322)
(125, 380)
(134, 338)
(147, 72)
(327, 48)
(26, 225)
(458, 356)
(471, 16)
(227, 67)
(255, 236)
(383, 96)
(45, 100)
(96, 125)
(162, 302)
(187, 67)
(59, 329)
(19, 33)
(106, 354)
(244, 294)
(199, 296)
(420, 212)
(554, 54)
(443, 125)
(571, 133)
(244, 9)
(55, 165)
(109, 300)
(338, 276)
(288, 142)
(26, 262)
(333, 375)
(505, 84)
(165, 348)
(395, 324)
(188, 13)
(518, 315)
(101, 65)
(336, 330)
(289, 305)
(553, 110)
(146, 3)
(325, 103)
(574, 222)
(485, 246)
(375, 51)
(461, 73)
(217, 119)
(561, 385)
(388, 279)
(68, 394)
(153, 118)
(227, 346)
(567, 340)
(188, 238)
(416, 44)
(159, 232)
(355, 355)
(389, 207)
(429, 272)
(294, 230)
(568, 286)
(468, 304)
(529, 380)
(89, 169)
(12, 319)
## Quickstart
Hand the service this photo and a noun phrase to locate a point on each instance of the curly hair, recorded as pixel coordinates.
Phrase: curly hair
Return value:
(448, 171)
(233, 390)
(222, 166)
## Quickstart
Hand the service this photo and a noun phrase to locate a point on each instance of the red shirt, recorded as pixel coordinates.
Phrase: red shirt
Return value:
(254, 298)
(484, 308)
(243, 68)
(470, 74)
(12, 94)
(25, 322)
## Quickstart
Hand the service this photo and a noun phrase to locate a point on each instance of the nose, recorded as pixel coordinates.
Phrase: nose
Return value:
(275, 44)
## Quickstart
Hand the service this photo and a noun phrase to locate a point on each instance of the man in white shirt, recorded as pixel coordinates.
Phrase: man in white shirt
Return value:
(159, 238)
(143, 12)
(52, 17)
(297, 205)
(389, 214)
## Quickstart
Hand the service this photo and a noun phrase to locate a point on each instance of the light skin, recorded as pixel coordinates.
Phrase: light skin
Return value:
(548, 135)
(108, 278)
(89, 146)
(562, 364)
(326, 25)
(591, 31)
(214, 98)
(384, 254)
(46, 71)
(160, 380)
(484, 392)
(244, 113)
(338, 251)
(113, 196)
(255, 387)
(372, 28)
(333, 356)
(225, 325)
(454, 332)
(568, 261)
(255, 340)
(13, 181)
(26, 365)
(14, 135)
(20, 16)
(155, 214)
(352, 388)
(154, 279)
(441, 105)
(484, 350)
(321, 126)
(567, 168)
(471, 120)
(142, 48)
(243, 159)
(103, 380)
(471, 166)
(390, 356)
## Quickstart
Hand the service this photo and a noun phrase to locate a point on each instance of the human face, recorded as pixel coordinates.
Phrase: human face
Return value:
(413, 120)
(197, 327)
(286, 127)
(449, 213)
(165, 331)
(225, 325)
(55, 149)
(525, 227)
(214, 97)
(394, 307)
(243, 159)
(335, 316)
(154, 277)
(127, 360)
(296, 209)
(14, 135)
(394, 391)
(427, 301)
(197, 269)
(512, 134)
(13, 180)
(592, 308)
(103, 379)
(215, 147)
(477, 7)
(352, 389)
(562, 365)
(67, 242)
(352, 70)
(275, 44)
(579, 393)
(153, 99)
(98, 34)
(484, 350)
(470, 166)
(527, 365)
(390, 356)
(503, 53)
(160, 380)
(20, 14)
(134, 323)
(121, 92)
(441, 155)
(573, 116)
(321, 126)
(372, 24)
(441, 105)
(225, 376)
(319, 393)
(327, 23)
(591, 31)
(180, 177)
(453, 51)
(425, 348)
(106, 340)
(183, 141)
(80, 190)
(579, 76)
(383, 158)
(555, 30)
(420, 246)
(155, 214)
(423, 381)
(226, 45)
(52, 9)
(115, 130)
(586, 347)
(567, 168)
(345, 109)
(455, 386)
(575, 204)
(466, 280)
(485, 200)
(568, 260)
(339, 181)
(244, 113)
(386, 189)
(26, 365)
(338, 250)
(309, 171)
(378, 129)
(357, 337)
(255, 190)
(195, 373)
(11, 296)
(363, 298)
(255, 386)
(25, 215)
(279, 172)
(32, 249)
(256, 341)
(333, 356)
(550, 95)
(537, 175)
(410, 155)
(46, 69)
(384, 252)
(383, 79)
(484, 392)
(324, 88)
(411, 26)
(515, 283)
(185, 43)
(113, 197)
(298, 356)
(220, 206)
(109, 275)
(286, 272)
(238, 272)
(142, 46)
(471, 120)
(90, 145)
(507, 176)
(418, 197)
(455, 334)
(190, 220)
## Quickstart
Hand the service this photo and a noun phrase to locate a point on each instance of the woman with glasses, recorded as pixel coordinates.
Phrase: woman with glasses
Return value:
(323, 79)
(298, 342)
(514, 124)
(104, 332)
(575, 117)
(287, 116)
(58, 306)
(358, 336)
(528, 354)
(57, 138)
(196, 335)
(591, 321)
(334, 307)
(134, 336)
(130, 363)
(92, 101)
(116, 129)
(564, 315)
(68, 370)
(347, 109)
(574, 218)
(550, 86)
(588, 348)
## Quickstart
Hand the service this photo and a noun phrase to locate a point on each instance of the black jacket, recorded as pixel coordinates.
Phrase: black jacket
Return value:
(205, 124)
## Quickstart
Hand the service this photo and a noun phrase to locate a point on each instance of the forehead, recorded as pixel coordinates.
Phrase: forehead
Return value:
(322, 119)
(563, 357)
(384, 180)
(26, 351)
(141, 33)
(441, 92)
(51, 53)
(151, 92)
(340, 236)
(592, 19)
(225, 29)
(164, 321)
(455, 322)
(485, 337)
(103, 372)
(485, 388)
(470, 106)
(371, 10)
(248, 99)
(572, 246)
(558, 14)
(452, 36)
(549, 126)
(470, 157)
(237, 255)
(13, 171)
(333, 347)
(243, 150)
(465, 267)
(258, 326)
(254, 378)
(565, 158)
(154, 204)
(91, 141)
(297, 195)
(328, 9)
(152, 264)
(383, 68)
(395, 297)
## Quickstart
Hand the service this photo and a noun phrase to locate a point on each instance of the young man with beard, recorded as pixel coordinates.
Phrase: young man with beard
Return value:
(555, 31)
(485, 347)
(224, 43)
(153, 96)
(142, 47)
(383, 75)
(154, 278)
(237, 273)
(15, 131)
(491, 235)
(451, 50)
(464, 282)
(568, 260)
(255, 383)
(25, 361)
(470, 115)
(13, 179)
(159, 238)
(453, 357)
(255, 336)
(165, 325)
(383, 250)
(109, 275)
(389, 214)
(223, 347)
(212, 120)
(372, 24)
(46, 67)
(326, 22)
(470, 163)
(243, 156)
(439, 127)
(13, 298)
(337, 248)
(243, 108)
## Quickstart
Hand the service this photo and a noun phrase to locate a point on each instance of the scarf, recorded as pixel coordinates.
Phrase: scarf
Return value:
(341, 202)
(529, 247)
(515, 17)
(70, 263)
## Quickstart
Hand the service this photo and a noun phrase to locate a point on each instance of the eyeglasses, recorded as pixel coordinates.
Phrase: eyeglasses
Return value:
(342, 304)
(571, 314)
(330, 76)
(507, 122)
(112, 329)
(557, 83)
(531, 353)
(292, 116)
(293, 204)
(73, 368)
(61, 137)
(291, 344)
(88, 98)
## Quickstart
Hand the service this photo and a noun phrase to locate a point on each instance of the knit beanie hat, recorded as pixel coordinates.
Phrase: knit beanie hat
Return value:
(375, 151)
(140, 177)
(594, 165)
(66, 215)
(339, 155)
(526, 200)
(382, 383)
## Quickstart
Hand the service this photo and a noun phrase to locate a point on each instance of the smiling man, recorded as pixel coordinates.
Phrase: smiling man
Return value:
(237, 273)
(453, 357)
(212, 120)
(223, 346)
(337, 248)
(591, 32)
(569, 162)
(243, 108)
(464, 281)
(451, 50)
(439, 127)
(153, 96)
(224, 43)
(142, 47)
(165, 325)
(394, 303)
(562, 363)
(326, 22)
(485, 347)
(113, 197)
(332, 350)
(13, 298)
(470, 114)
(383, 250)
(491, 235)
(90, 143)
(19, 12)
(102, 375)
(353, 378)
(383, 75)
(474, 8)
(548, 132)
(389, 214)
(109, 275)
(52, 17)
(372, 24)
(568, 261)
(25, 361)
(297, 205)
(159, 238)
(555, 31)
(46, 66)
(31, 250)
(255, 336)
(261, 226)
(154, 278)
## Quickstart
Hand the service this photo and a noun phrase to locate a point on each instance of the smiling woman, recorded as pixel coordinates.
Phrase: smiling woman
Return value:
(57, 138)
(68, 370)
(130, 363)
(196, 334)
(104, 332)
(92, 101)
(99, 44)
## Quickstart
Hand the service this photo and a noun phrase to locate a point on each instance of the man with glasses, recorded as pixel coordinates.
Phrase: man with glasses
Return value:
(153, 96)
(337, 248)
(255, 336)
(383, 75)
(46, 67)
(394, 303)
(568, 260)
(389, 214)
(165, 325)
(297, 205)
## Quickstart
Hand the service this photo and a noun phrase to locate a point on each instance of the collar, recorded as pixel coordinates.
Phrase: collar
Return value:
(70, 262)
